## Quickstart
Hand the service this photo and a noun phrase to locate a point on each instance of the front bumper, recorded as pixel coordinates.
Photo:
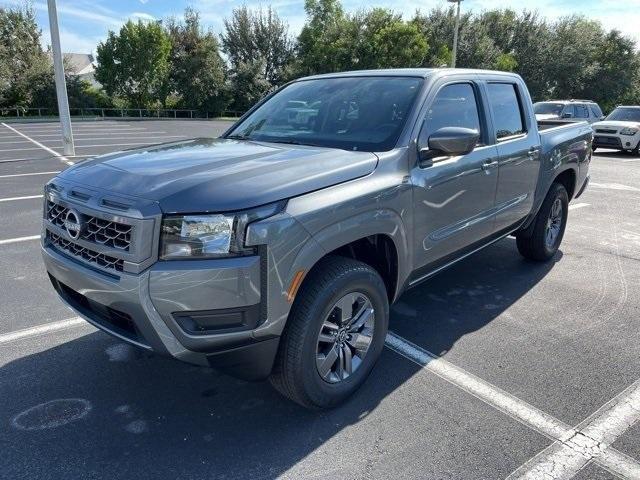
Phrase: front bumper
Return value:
(616, 141)
(205, 312)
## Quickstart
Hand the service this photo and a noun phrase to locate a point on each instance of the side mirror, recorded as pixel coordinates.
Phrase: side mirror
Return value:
(449, 141)
(602, 117)
(567, 115)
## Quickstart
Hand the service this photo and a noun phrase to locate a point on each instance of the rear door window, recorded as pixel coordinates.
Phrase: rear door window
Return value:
(504, 101)
(595, 110)
(569, 112)
(581, 111)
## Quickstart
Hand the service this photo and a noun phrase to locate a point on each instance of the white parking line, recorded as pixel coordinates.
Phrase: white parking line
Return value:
(57, 135)
(35, 133)
(40, 329)
(12, 199)
(74, 125)
(140, 137)
(527, 414)
(615, 186)
(631, 160)
(18, 239)
(44, 147)
(9, 160)
(113, 145)
(591, 441)
(14, 141)
(29, 174)
(21, 149)
(578, 205)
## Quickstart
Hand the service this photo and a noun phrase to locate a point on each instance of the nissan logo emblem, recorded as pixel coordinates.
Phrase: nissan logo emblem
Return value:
(72, 224)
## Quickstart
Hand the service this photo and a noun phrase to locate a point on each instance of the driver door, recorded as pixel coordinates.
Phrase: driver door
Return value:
(454, 197)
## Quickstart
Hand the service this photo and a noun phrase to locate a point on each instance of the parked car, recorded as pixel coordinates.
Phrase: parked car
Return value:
(276, 250)
(577, 110)
(620, 130)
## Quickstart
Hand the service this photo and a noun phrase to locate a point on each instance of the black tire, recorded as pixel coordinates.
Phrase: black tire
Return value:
(295, 374)
(533, 244)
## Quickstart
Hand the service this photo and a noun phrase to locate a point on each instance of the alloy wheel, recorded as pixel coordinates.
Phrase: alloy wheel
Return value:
(345, 337)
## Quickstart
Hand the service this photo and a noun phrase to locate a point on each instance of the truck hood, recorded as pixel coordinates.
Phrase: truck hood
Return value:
(204, 174)
(615, 124)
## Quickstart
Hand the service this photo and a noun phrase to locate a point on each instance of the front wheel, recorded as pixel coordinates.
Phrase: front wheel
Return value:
(543, 241)
(334, 335)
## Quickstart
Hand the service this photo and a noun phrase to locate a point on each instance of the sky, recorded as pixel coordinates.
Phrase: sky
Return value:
(84, 23)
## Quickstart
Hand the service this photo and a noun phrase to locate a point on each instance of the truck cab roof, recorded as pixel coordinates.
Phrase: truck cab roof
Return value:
(410, 72)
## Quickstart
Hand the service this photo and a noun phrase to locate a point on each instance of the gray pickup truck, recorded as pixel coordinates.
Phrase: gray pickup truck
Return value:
(275, 250)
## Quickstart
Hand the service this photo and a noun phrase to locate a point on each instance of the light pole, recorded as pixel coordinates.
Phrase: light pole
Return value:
(455, 32)
(61, 86)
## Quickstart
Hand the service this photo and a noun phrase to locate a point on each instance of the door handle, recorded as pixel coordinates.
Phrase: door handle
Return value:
(533, 152)
(489, 164)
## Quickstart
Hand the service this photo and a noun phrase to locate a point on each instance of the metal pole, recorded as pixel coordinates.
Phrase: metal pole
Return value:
(455, 35)
(61, 86)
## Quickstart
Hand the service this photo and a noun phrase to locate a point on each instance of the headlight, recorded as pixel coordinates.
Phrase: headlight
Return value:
(628, 131)
(210, 235)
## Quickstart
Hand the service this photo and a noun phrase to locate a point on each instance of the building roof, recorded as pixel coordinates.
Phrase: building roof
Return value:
(80, 63)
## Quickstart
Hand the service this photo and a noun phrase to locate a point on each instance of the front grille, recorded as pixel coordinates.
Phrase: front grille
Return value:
(607, 141)
(103, 232)
(100, 259)
(605, 130)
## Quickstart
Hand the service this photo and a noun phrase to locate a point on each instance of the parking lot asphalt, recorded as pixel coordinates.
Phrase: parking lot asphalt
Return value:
(496, 368)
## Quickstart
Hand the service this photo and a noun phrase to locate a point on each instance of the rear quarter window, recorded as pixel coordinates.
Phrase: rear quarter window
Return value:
(595, 110)
(506, 108)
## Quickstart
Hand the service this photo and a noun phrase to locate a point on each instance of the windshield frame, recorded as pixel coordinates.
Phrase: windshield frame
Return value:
(632, 109)
(401, 138)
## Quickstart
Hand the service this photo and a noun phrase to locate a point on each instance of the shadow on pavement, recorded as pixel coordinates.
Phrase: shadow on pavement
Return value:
(141, 416)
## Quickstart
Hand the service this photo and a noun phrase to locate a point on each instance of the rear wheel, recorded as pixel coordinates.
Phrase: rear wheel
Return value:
(334, 335)
(542, 242)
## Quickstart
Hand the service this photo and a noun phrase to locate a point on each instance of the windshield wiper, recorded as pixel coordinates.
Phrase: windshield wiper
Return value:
(238, 137)
(289, 141)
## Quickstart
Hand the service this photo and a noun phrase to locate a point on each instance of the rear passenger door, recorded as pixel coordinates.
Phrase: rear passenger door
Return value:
(518, 144)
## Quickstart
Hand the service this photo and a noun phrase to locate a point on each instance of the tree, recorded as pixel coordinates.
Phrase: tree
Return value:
(258, 37)
(135, 64)
(378, 38)
(197, 73)
(21, 56)
(247, 85)
(617, 72)
(321, 46)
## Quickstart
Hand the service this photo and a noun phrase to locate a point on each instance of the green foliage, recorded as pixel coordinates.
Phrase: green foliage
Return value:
(22, 60)
(247, 85)
(134, 63)
(334, 41)
(258, 38)
(178, 63)
(197, 74)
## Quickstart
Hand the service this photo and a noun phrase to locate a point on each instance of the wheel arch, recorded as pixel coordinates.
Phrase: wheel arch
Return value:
(375, 237)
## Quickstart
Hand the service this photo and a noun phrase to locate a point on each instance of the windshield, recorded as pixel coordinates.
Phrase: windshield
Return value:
(625, 114)
(354, 113)
(546, 108)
